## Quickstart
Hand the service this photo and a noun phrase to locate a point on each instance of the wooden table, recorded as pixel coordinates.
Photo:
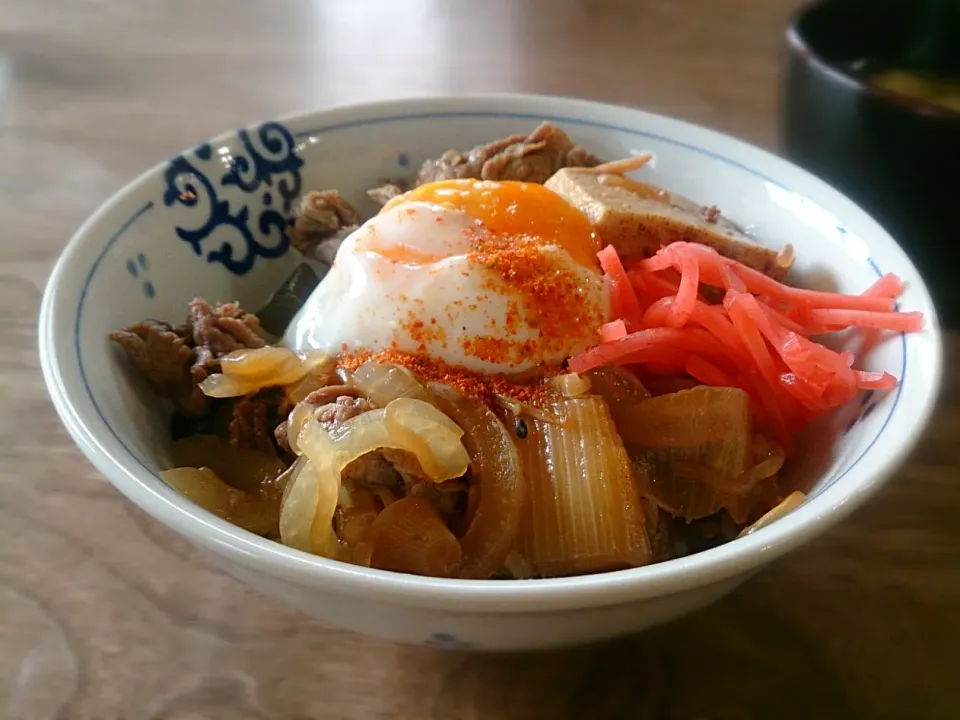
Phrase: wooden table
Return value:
(104, 614)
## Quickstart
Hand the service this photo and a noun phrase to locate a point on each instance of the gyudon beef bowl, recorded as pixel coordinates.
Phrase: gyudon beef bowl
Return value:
(497, 373)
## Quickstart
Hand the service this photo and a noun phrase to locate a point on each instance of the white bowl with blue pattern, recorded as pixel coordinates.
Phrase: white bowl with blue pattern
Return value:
(208, 223)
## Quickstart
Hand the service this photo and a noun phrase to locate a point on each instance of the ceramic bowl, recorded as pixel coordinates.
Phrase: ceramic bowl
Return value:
(208, 222)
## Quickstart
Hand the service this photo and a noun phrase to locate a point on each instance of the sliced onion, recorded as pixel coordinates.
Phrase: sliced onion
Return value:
(755, 489)
(690, 448)
(768, 459)
(571, 384)
(306, 516)
(248, 470)
(356, 515)
(438, 450)
(286, 480)
(761, 498)
(247, 371)
(295, 421)
(219, 385)
(386, 495)
(299, 506)
(675, 490)
(310, 503)
(689, 418)
(517, 566)
(258, 513)
(430, 435)
(496, 471)
(297, 392)
(260, 362)
(382, 383)
(620, 388)
(790, 503)
(409, 536)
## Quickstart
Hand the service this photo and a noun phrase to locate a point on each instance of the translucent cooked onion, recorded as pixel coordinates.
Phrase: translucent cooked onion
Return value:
(690, 448)
(681, 494)
(382, 383)
(353, 520)
(409, 536)
(517, 566)
(498, 477)
(619, 387)
(583, 513)
(220, 385)
(306, 515)
(241, 468)
(285, 481)
(256, 512)
(297, 392)
(260, 362)
(430, 435)
(787, 506)
(688, 418)
(248, 371)
(423, 433)
(571, 384)
(764, 495)
(299, 506)
(768, 459)
(311, 500)
(295, 421)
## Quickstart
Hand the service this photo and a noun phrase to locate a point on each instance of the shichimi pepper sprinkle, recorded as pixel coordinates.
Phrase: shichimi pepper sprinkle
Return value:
(486, 387)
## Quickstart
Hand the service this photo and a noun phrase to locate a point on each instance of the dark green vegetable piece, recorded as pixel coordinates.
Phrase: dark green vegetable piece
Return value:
(288, 299)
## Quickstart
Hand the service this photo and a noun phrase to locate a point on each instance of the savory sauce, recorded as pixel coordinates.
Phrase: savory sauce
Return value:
(942, 92)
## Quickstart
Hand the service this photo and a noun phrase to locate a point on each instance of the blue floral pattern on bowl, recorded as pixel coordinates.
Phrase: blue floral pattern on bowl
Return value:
(265, 160)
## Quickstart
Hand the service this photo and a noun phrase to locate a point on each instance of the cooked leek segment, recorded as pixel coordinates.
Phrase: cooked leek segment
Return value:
(583, 512)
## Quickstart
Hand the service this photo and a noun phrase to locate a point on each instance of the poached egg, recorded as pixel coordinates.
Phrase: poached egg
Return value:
(495, 277)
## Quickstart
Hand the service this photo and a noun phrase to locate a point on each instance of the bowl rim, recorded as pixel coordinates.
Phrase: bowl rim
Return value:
(146, 489)
(800, 46)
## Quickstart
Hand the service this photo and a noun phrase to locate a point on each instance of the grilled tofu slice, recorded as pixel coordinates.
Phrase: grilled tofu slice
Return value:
(638, 219)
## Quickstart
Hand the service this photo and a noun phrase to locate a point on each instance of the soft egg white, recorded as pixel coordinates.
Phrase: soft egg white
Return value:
(406, 281)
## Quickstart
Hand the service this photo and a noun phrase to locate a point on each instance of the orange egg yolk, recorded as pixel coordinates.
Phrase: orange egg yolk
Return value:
(514, 209)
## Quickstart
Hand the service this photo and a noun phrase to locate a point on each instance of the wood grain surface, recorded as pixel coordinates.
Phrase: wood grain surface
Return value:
(104, 614)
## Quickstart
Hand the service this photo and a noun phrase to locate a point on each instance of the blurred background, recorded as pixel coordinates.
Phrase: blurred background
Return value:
(104, 614)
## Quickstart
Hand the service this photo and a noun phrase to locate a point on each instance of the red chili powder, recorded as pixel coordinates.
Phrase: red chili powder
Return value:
(467, 382)
(556, 304)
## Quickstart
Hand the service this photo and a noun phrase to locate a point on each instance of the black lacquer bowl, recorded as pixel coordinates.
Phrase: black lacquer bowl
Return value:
(899, 158)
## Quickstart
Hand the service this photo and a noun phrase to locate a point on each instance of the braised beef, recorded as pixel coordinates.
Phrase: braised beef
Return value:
(253, 421)
(164, 356)
(219, 330)
(387, 192)
(371, 470)
(323, 220)
(332, 393)
(333, 415)
(530, 158)
(335, 404)
(454, 165)
(174, 360)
